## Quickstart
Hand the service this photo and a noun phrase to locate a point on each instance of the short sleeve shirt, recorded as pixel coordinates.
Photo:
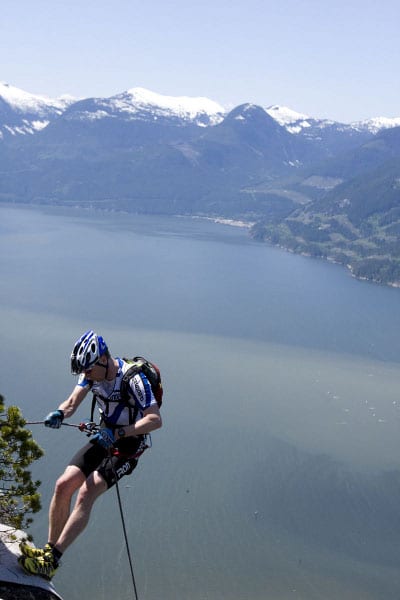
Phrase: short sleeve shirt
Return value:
(108, 396)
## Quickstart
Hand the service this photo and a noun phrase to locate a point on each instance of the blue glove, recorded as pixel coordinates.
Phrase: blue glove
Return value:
(104, 437)
(54, 419)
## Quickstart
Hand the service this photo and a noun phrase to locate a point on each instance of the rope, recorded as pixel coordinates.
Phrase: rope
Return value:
(5, 423)
(124, 529)
(42, 423)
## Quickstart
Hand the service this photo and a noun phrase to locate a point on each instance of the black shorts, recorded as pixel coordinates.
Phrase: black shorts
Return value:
(94, 457)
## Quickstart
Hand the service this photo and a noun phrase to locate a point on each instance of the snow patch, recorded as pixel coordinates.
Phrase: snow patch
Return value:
(94, 116)
(286, 116)
(39, 125)
(295, 122)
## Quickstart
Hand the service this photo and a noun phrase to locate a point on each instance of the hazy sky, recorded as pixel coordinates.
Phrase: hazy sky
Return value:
(336, 59)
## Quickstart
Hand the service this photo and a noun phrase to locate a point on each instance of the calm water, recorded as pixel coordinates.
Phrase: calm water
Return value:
(276, 474)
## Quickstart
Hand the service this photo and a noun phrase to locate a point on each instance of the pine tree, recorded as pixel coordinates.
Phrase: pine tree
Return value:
(18, 492)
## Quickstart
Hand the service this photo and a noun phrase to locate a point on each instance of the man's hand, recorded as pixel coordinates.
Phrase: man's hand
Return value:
(54, 419)
(104, 437)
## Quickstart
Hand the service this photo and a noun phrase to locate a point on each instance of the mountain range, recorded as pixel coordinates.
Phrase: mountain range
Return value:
(314, 186)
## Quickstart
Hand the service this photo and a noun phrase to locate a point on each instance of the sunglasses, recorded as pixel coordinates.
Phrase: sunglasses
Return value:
(96, 364)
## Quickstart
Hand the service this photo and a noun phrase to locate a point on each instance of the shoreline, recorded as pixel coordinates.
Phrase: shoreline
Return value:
(224, 221)
(347, 266)
(221, 220)
(240, 223)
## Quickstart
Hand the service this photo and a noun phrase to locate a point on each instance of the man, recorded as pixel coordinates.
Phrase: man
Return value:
(110, 454)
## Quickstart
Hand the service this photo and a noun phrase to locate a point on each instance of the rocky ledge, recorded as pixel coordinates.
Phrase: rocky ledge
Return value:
(15, 584)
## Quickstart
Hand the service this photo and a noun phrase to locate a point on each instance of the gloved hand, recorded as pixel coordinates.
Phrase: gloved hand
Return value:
(104, 437)
(54, 419)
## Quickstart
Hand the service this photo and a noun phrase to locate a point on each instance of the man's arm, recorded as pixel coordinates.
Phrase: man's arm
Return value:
(70, 405)
(150, 421)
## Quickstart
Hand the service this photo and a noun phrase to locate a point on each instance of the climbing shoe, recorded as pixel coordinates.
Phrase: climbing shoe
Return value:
(32, 552)
(45, 566)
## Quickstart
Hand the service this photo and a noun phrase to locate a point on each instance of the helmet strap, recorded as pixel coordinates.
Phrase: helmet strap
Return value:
(106, 369)
(99, 364)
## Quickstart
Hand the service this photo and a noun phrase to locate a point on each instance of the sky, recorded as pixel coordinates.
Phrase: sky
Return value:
(328, 59)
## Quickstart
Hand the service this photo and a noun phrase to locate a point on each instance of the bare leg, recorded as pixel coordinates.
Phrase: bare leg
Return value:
(60, 504)
(89, 491)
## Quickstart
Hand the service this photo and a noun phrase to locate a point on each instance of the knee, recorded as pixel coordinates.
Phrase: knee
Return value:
(68, 483)
(84, 498)
(90, 490)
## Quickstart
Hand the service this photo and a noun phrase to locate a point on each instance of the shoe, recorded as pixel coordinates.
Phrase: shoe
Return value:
(45, 566)
(32, 552)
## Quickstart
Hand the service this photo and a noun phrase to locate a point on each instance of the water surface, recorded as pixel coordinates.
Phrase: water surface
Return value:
(276, 474)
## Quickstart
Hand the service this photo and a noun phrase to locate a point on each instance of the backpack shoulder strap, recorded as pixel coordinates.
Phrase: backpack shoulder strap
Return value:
(126, 392)
(94, 400)
(125, 387)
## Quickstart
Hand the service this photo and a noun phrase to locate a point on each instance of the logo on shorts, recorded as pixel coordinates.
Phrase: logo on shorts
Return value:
(124, 469)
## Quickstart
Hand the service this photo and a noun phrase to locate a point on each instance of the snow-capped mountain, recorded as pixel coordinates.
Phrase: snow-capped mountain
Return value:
(144, 152)
(25, 102)
(139, 104)
(199, 110)
(296, 122)
(328, 137)
(377, 124)
(25, 113)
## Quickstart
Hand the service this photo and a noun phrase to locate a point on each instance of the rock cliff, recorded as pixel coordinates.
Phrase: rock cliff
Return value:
(15, 584)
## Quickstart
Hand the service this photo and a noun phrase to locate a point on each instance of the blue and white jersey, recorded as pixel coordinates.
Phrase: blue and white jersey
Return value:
(108, 397)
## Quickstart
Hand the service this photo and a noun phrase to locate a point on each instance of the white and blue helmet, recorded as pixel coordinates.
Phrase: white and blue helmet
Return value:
(87, 351)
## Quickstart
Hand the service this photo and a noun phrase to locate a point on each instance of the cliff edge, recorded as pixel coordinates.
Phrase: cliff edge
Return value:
(15, 584)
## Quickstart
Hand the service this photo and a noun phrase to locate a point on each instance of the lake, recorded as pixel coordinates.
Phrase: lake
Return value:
(276, 473)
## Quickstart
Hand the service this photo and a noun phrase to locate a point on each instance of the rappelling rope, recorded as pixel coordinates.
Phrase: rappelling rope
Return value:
(124, 528)
(42, 423)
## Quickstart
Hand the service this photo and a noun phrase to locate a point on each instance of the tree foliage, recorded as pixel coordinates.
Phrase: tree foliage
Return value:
(18, 492)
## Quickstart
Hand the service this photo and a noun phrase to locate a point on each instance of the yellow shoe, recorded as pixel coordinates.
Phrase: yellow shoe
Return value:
(45, 566)
(32, 552)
